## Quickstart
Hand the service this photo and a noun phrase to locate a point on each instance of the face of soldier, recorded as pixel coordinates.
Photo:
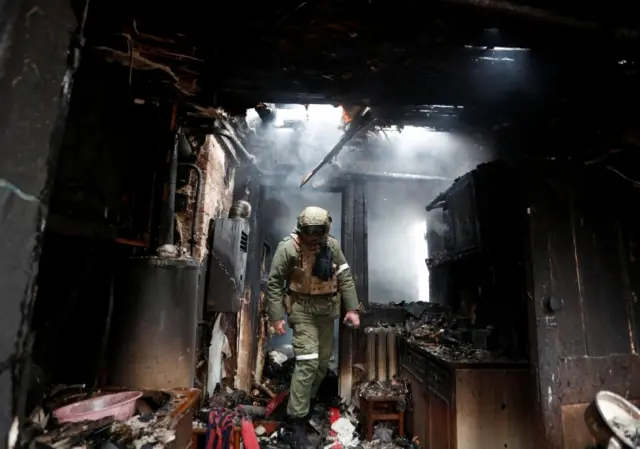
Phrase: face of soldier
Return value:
(313, 235)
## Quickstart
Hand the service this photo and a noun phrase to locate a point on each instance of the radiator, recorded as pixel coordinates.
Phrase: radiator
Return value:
(382, 354)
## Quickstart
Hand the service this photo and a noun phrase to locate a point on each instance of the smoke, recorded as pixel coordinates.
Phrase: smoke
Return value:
(397, 246)
(300, 138)
(436, 222)
(284, 204)
(297, 140)
(419, 150)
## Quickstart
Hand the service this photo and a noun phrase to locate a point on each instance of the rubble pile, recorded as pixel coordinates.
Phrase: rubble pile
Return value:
(269, 419)
(436, 330)
(384, 443)
(152, 426)
(397, 389)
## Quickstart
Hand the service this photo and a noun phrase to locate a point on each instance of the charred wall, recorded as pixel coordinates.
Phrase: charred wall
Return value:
(98, 215)
(218, 171)
(35, 79)
(583, 243)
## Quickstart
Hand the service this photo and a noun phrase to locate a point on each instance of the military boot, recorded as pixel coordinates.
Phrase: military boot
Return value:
(297, 429)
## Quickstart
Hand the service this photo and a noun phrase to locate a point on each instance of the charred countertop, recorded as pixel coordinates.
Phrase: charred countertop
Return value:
(434, 331)
(461, 356)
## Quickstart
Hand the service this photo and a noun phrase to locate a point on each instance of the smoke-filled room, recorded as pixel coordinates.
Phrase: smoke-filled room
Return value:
(319, 225)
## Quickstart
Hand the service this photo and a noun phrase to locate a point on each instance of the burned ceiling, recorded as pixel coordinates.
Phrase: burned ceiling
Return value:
(485, 63)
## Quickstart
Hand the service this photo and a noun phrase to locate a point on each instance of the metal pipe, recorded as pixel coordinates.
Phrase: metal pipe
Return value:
(403, 176)
(250, 157)
(231, 136)
(371, 354)
(186, 149)
(219, 132)
(392, 353)
(194, 221)
(382, 354)
(167, 225)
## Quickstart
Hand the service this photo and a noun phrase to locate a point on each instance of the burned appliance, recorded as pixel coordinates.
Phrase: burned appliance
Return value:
(227, 264)
(153, 326)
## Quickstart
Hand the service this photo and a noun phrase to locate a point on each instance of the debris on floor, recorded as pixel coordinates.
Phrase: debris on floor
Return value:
(156, 429)
(434, 329)
(396, 389)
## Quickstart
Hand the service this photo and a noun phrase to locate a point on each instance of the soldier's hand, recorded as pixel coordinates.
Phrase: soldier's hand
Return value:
(354, 317)
(279, 327)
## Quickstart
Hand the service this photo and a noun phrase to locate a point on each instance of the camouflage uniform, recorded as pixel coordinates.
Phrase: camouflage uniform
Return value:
(315, 304)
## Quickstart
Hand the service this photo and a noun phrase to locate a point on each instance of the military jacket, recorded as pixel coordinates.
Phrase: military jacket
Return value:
(292, 266)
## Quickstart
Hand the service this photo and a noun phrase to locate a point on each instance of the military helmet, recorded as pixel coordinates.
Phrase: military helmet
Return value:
(314, 220)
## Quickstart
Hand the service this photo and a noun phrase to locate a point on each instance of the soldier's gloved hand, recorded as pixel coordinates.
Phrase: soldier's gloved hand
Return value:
(279, 327)
(354, 317)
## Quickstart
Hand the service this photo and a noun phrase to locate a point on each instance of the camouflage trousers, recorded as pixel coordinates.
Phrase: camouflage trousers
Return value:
(312, 321)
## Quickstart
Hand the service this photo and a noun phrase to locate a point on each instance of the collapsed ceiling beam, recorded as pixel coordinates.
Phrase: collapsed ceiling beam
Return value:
(358, 125)
(398, 176)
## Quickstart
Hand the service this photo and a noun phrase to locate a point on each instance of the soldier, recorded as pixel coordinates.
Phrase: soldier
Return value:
(316, 276)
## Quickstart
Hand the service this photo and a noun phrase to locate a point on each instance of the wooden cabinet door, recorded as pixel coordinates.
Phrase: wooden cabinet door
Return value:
(417, 420)
(440, 425)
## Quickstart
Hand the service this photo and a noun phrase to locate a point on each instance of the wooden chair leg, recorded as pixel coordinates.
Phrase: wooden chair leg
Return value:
(194, 440)
(236, 435)
(401, 425)
(370, 413)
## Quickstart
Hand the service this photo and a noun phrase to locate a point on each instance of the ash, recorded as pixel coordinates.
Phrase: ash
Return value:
(396, 389)
(434, 329)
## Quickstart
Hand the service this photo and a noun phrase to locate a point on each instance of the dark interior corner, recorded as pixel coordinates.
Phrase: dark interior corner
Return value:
(481, 171)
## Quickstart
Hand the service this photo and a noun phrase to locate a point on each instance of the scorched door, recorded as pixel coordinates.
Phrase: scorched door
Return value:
(440, 431)
(417, 419)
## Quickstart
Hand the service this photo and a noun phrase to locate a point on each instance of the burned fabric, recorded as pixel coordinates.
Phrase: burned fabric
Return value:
(220, 427)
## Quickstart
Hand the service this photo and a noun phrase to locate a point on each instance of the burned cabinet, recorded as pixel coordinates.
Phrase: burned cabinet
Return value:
(468, 406)
(227, 264)
(481, 210)
(462, 214)
(480, 273)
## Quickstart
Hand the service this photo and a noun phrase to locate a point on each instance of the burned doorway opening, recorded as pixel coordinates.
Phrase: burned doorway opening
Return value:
(397, 245)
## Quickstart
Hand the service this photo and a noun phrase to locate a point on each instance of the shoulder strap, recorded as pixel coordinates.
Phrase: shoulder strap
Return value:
(296, 240)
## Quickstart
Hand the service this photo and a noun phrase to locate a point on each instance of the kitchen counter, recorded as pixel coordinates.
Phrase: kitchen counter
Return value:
(472, 401)
(463, 358)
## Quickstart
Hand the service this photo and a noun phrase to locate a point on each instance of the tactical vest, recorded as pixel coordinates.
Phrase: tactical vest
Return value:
(302, 280)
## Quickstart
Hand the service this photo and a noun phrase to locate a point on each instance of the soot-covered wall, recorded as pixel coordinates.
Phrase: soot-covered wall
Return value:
(35, 76)
(105, 156)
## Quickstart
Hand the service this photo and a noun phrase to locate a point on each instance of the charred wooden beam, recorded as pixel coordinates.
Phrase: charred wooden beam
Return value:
(545, 15)
(359, 125)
